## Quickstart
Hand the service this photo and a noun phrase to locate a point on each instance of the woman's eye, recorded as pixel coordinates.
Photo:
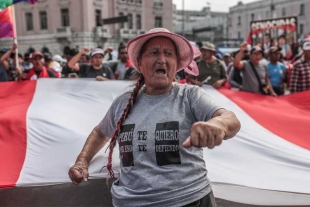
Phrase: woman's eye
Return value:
(154, 53)
(168, 53)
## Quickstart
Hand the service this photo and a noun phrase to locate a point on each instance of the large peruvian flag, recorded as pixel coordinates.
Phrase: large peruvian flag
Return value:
(44, 125)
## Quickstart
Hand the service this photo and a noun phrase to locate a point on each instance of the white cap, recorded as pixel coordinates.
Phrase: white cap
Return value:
(59, 59)
(97, 51)
(306, 45)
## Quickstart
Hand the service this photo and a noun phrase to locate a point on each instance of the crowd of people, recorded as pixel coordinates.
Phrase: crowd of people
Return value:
(268, 68)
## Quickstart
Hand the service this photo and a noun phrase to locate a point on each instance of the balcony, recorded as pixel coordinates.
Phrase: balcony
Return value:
(125, 33)
(140, 32)
(158, 5)
(130, 33)
(103, 32)
(133, 33)
(63, 32)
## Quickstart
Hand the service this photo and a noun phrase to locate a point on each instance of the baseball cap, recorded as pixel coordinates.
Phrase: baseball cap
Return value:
(306, 45)
(35, 54)
(59, 59)
(256, 49)
(97, 51)
(275, 49)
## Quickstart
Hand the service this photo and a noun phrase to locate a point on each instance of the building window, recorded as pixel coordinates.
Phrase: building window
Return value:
(139, 1)
(98, 17)
(158, 3)
(302, 9)
(283, 12)
(138, 19)
(130, 1)
(29, 21)
(43, 20)
(129, 21)
(239, 35)
(301, 30)
(229, 21)
(267, 14)
(65, 21)
(252, 16)
(121, 25)
(239, 20)
(158, 22)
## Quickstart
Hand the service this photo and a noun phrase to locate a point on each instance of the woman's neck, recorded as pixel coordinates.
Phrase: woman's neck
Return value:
(157, 91)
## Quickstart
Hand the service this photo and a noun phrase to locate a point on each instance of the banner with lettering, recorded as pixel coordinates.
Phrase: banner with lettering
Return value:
(285, 26)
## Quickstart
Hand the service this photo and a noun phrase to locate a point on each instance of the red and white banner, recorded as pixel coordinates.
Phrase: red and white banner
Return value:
(44, 125)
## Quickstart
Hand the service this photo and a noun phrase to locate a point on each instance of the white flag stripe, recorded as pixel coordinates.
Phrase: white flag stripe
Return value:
(63, 113)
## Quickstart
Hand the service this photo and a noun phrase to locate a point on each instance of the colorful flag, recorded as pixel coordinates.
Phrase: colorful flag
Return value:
(7, 23)
(6, 3)
(43, 129)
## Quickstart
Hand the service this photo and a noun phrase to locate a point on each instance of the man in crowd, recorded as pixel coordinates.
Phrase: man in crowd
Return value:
(60, 60)
(267, 43)
(52, 65)
(27, 65)
(211, 70)
(84, 59)
(120, 66)
(300, 75)
(226, 60)
(8, 61)
(94, 70)
(3, 70)
(39, 70)
(255, 74)
(66, 70)
(276, 70)
(234, 75)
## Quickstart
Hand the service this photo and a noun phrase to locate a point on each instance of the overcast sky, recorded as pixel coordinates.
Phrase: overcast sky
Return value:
(216, 5)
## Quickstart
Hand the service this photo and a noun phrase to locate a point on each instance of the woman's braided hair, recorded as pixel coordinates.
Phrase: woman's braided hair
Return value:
(131, 102)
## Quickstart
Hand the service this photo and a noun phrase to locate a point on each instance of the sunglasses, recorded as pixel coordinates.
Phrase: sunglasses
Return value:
(123, 53)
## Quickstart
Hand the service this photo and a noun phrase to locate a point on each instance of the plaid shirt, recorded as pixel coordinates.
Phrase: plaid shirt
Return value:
(300, 76)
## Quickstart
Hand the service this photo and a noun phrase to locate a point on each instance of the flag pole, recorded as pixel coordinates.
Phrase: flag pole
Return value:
(15, 37)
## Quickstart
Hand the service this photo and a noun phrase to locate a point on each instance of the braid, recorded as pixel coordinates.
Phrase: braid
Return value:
(131, 102)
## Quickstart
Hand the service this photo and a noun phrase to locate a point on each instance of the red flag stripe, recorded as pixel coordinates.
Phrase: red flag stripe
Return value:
(294, 123)
(15, 99)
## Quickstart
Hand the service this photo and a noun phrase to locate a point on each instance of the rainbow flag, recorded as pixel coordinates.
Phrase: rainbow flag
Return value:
(7, 17)
(6, 3)
(7, 23)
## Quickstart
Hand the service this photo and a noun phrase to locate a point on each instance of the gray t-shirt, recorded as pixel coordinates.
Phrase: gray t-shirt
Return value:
(249, 81)
(156, 170)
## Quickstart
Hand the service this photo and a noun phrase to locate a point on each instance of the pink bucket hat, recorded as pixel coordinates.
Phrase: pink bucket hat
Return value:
(193, 68)
(184, 48)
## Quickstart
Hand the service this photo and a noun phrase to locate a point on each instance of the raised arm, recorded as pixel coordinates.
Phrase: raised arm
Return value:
(73, 63)
(7, 55)
(237, 62)
(95, 141)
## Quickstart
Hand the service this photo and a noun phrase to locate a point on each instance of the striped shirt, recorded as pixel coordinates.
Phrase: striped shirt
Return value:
(300, 76)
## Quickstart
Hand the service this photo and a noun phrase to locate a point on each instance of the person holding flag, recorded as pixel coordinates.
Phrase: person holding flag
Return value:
(7, 21)
(14, 70)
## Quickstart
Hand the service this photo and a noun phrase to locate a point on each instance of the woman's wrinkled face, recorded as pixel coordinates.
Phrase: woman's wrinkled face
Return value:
(158, 63)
